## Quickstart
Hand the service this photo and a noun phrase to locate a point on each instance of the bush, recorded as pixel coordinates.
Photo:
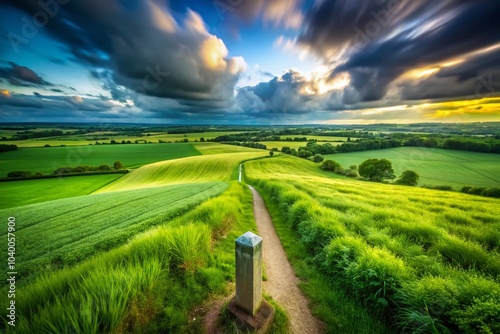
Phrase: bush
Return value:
(318, 158)
(5, 148)
(332, 166)
(476, 190)
(352, 171)
(491, 192)
(104, 167)
(376, 170)
(438, 187)
(19, 174)
(408, 178)
(118, 165)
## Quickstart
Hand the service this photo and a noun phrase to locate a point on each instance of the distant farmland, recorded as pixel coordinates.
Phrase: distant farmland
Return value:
(435, 166)
(47, 159)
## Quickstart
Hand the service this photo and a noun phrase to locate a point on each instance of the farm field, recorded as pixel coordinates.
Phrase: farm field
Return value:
(216, 148)
(435, 166)
(18, 193)
(292, 144)
(63, 232)
(218, 167)
(91, 138)
(420, 258)
(47, 159)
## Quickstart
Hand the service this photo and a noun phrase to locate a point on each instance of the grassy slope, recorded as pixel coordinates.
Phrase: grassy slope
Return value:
(19, 193)
(435, 166)
(291, 144)
(149, 285)
(216, 148)
(66, 231)
(218, 167)
(395, 248)
(48, 159)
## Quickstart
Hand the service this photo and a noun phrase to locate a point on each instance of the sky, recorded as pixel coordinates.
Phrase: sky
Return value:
(250, 61)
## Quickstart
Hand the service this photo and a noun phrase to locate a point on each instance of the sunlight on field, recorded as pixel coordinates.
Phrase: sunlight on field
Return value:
(217, 167)
(216, 148)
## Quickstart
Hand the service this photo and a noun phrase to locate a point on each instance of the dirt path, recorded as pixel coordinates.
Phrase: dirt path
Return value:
(281, 281)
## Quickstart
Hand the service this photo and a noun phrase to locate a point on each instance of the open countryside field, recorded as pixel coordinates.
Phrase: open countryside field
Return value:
(18, 193)
(423, 259)
(292, 144)
(435, 166)
(318, 138)
(91, 138)
(58, 233)
(47, 159)
(216, 148)
(217, 167)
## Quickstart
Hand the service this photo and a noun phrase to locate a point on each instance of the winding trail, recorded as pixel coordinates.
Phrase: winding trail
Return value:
(281, 281)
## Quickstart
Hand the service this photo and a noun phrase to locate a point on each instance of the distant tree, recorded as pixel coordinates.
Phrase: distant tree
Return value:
(46, 145)
(202, 139)
(408, 178)
(286, 150)
(332, 166)
(271, 153)
(352, 171)
(293, 152)
(124, 142)
(104, 167)
(376, 170)
(304, 154)
(19, 174)
(318, 158)
(118, 165)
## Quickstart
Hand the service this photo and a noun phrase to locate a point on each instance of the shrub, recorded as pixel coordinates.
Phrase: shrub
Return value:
(408, 178)
(19, 174)
(482, 316)
(318, 158)
(491, 192)
(438, 187)
(352, 171)
(476, 190)
(117, 165)
(332, 166)
(104, 167)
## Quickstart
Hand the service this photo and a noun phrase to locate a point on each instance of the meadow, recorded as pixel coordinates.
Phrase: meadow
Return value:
(48, 159)
(204, 168)
(149, 285)
(216, 148)
(318, 138)
(280, 144)
(64, 232)
(19, 193)
(435, 166)
(424, 261)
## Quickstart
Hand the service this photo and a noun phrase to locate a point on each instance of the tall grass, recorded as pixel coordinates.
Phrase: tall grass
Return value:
(415, 257)
(148, 285)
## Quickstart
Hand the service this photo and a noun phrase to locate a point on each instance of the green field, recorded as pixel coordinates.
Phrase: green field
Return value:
(435, 166)
(91, 138)
(279, 144)
(318, 138)
(18, 193)
(420, 258)
(216, 148)
(48, 159)
(61, 232)
(219, 167)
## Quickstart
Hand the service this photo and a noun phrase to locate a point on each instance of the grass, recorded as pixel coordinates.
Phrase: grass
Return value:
(216, 148)
(219, 167)
(48, 159)
(19, 193)
(106, 136)
(435, 166)
(393, 249)
(145, 286)
(63, 232)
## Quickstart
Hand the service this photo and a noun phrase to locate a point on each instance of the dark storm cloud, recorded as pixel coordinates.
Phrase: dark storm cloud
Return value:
(383, 39)
(22, 76)
(145, 47)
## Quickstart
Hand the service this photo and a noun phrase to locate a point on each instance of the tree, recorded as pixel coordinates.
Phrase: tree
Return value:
(271, 153)
(408, 178)
(332, 166)
(352, 171)
(376, 170)
(104, 167)
(118, 165)
(202, 140)
(318, 158)
(304, 154)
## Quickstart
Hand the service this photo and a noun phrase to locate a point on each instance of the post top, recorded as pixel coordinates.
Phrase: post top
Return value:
(249, 239)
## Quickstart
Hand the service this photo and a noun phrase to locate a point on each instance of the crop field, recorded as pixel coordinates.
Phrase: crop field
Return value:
(427, 261)
(18, 193)
(216, 148)
(91, 138)
(151, 284)
(47, 159)
(205, 168)
(435, 166)
(63, 232)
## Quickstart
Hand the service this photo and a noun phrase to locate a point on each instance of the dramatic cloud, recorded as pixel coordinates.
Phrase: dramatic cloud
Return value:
(376, 42)
(22, 76)
(146, 48)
